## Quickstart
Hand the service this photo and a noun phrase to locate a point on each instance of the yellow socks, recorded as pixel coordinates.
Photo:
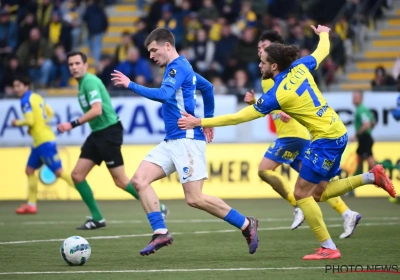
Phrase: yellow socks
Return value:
(338, 204)
(67, 178)
(340, 187)
(279, 184)
(32, 189)
(312, 213)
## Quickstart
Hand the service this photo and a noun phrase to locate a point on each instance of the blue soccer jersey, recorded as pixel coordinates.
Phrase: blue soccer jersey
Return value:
(178, 94)
(180, 76)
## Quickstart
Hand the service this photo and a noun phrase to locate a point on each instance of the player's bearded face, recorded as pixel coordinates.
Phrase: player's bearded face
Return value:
(265, 67)
(158, 53)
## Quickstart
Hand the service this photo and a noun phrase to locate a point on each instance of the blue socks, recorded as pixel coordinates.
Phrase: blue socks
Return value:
(236, 219)
(157, 222)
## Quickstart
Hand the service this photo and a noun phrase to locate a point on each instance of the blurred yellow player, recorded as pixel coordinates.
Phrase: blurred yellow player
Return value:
(44, 151)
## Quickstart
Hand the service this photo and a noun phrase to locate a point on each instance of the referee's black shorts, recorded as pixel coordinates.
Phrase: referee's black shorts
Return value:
(365, 143)
(105, 145)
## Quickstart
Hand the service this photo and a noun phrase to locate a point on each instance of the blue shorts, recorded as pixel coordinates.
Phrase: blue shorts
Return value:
(288, 150)
(45, 154)
(322, 160)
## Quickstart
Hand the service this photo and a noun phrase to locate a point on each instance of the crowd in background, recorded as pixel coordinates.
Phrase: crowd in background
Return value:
(219, 38)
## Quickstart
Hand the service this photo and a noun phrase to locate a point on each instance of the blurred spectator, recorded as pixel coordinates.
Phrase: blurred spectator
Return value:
(35, 54)
(170, 22)
(12, 69)
(219, 87)
(215, 31)
(97, 24)
(135, 66)
(25, 27)
(104, 70)
(201, 53)
(140, 36)
(382, 79)
(155, 13)
(240, 84)
(208, 14)
(185, 11)
(60, 73)
(246, 53)
(192, 26)
(8, 35)
(225, 46)
(338, 52)
(58, 32)
(247, 17)
(44, 9)
(298, 38)
(229, 9)
(121, 51)
(73, 11)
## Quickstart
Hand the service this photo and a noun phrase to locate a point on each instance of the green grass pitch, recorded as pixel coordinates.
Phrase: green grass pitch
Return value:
(204, 247)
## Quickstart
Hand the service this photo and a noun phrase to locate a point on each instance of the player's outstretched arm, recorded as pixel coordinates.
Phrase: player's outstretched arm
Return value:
(323, 47)
(245, 115)
(157, 94)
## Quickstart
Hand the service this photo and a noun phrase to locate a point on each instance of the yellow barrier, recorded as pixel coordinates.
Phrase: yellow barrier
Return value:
(232, 173)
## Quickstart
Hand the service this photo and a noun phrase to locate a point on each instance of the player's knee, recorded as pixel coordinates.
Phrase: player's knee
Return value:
(299, 193)
(195, 202)
(120, 182)
(139, 182)
(29, 171)
(77, 177)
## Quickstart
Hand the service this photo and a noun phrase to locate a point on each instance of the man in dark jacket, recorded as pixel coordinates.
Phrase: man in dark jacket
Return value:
(97, 24)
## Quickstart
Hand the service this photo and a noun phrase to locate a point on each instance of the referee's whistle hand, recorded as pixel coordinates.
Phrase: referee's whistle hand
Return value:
(188, 121)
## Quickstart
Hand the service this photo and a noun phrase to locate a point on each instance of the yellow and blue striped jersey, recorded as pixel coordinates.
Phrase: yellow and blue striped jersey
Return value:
(290, 129)
(36, 115)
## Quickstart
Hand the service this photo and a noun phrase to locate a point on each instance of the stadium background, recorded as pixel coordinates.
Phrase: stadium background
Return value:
(220, 39)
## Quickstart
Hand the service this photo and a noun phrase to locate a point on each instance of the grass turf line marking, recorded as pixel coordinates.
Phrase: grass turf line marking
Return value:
(163, 270)
(180, 233)
(192, 221)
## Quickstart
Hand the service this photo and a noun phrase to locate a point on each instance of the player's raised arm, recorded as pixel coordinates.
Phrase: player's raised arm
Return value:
(323, 47)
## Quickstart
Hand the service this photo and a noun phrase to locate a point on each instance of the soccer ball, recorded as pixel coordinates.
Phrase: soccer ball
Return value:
(75, 250)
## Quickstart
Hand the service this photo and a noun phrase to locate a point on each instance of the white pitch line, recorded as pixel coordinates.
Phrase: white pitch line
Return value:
(190, 221)
(163, 270)
(181, 233)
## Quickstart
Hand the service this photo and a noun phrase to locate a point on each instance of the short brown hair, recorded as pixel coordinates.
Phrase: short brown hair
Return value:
(282, 55)
(81, 54)
(161, 36)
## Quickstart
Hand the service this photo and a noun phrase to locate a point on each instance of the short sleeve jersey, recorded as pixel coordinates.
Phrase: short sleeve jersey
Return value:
(92, 90)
